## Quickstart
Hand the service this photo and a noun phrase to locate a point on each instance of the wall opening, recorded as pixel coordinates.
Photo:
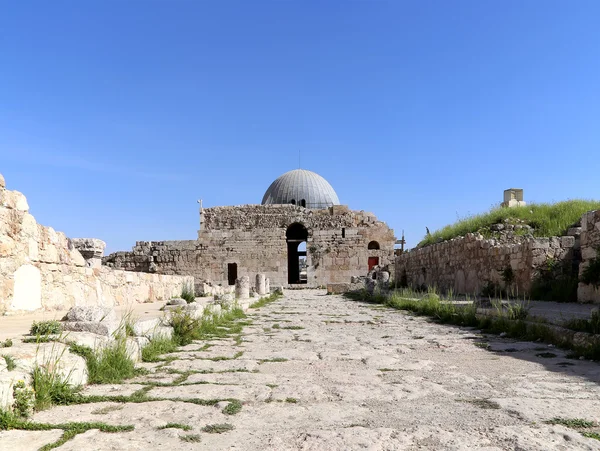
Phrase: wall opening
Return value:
(343, 232)
(296, 236)
(231, 273)
(293, 202)
(373, 261)
(303, 203)
(373, 245)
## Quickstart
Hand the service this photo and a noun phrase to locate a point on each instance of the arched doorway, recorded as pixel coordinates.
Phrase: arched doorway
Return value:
(296, 235)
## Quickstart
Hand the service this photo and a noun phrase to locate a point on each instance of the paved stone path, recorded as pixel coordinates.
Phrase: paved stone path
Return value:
(320, 372)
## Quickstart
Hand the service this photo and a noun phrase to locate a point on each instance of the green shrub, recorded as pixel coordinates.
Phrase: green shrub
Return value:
(6, 343)
(555, 282)
(45, 328)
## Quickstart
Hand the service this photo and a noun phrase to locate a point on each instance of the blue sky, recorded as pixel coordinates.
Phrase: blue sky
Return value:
(116, 116)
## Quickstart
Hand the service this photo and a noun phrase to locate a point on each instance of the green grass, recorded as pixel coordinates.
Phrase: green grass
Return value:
(181, 426)
(273, 360)
(6, 343)
(266, 300)
(8, 421)
(232, 408)
(573, 423)
(157, 347)
(579, 424)
(186, 328)
(45, 328)
(591, 325)
(51, 388)
(218, 428)
(187, 292)
(191, 438)
(11, 364)
(291, 400)
(108, 365)
(546, 219)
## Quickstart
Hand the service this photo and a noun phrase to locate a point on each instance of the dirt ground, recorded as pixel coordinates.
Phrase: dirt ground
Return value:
(321, 372)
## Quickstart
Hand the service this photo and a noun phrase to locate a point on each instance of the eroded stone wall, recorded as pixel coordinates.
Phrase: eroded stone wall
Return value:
(468, 264)
(253, 237)
(42, 269)
(590, 244)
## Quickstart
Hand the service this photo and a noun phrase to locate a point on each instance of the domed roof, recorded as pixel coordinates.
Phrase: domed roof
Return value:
(301, 187)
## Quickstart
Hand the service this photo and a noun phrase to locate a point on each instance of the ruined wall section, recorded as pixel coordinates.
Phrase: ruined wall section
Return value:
(42, 269)
(467, 264)
(253, 237)
(590, 250)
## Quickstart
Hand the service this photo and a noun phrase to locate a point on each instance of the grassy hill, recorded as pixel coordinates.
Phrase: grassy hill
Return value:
(546, 219)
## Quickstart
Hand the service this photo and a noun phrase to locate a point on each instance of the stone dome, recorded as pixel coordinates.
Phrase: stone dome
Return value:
(301, 187)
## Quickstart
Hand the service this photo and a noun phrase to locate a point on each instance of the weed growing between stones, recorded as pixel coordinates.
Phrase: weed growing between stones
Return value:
(110, 364)
(218, 428)
(156, 347)
(232, 408)
(191, 438)
(9, 420)
(6, 343)
(11, 364)
(183, 427)
(291, 400)
(273, 360)
(187, 328)
(45, 328)
(587, 428)
(266, 300)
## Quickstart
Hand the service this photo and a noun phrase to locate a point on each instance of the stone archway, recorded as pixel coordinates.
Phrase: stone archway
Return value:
(295, 235)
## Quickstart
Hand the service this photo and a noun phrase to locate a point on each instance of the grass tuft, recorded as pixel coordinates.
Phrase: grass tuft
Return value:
(191, 438)
(232, 408)
(181, 426)
(218, 428)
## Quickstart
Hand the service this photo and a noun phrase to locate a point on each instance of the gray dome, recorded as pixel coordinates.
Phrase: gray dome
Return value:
(299, 185)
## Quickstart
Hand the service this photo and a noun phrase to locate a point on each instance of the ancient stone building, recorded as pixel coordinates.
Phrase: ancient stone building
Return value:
(298, 235)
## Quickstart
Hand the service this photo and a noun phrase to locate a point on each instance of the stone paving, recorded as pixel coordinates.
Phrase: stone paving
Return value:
(321, 372)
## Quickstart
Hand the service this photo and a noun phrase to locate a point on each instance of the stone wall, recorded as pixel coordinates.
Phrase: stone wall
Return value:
(254, 238)
(468, 264)
(590, 244)
(42, 269)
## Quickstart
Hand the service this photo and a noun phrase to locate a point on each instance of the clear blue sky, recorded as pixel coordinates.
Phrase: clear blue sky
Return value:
(116, 116)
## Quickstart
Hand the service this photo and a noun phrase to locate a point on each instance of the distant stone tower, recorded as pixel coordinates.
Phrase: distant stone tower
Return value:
(513, 197)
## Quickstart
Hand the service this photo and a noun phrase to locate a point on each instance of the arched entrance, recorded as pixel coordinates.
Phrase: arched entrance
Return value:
(295, 235)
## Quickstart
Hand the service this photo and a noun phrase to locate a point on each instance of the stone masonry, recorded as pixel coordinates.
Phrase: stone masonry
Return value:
(42, 269)
(253, 237)
(590, 244)
(467, 264)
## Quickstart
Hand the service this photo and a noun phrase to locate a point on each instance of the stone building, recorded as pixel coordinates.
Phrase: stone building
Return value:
(298, 235)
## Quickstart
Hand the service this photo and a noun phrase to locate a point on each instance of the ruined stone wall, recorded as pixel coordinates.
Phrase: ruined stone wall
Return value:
(590, 244)
(42, 269)
(467, 264)
(254, 238)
